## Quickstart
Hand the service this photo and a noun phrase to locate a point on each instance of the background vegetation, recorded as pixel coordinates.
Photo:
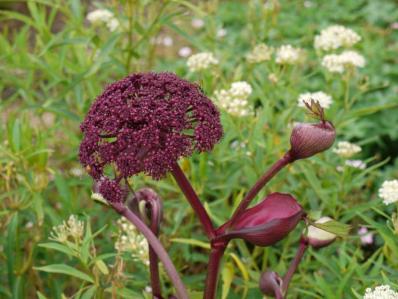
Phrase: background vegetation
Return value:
(53, 63)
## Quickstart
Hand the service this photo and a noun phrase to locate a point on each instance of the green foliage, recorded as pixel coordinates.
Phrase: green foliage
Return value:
(53, 63)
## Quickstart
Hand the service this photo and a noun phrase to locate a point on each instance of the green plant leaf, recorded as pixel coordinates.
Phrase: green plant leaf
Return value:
(65, 269)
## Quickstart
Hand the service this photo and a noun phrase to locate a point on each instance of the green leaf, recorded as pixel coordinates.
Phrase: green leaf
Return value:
(227, 274)
(65, 269)
(334, 227)
(191, 242)
(58, 247)
(10, 249)
(40, 295)
(89, 293)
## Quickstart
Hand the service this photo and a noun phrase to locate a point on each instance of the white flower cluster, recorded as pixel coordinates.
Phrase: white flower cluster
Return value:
(130, 240)
(358, 164)
(380, 292)
(389, 191)
(259, 54)
(346, 149)
(234, 100)
(338, 63)
(287, 54)
(201, 61)
(73, 228)
(334, 37)
(103, 16)
(322, 98)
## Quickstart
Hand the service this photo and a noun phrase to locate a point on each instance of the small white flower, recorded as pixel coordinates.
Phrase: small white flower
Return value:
(346, 149)
(287, 54)
(322, 98)
(98, 196)
(184, 51)
(99, 16)
(359, 164)
(112, 24)
(201, 61)
(221, 32)
(334, 37)
(234, 100)
(259, 54)
(130, 240)
(389, 191)
(103, 16)
(339, 63)
(273, 78)
(76, 171)
(167, 41)
(197, 23)
(72, 228)
(380, 292)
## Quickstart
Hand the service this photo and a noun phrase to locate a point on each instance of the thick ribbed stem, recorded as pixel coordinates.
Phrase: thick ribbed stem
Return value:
(156, 246)
(193, 199)
(213, 269)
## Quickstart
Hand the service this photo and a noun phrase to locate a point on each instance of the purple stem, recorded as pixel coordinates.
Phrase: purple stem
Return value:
(271, 172)
(213, 267)
(156, 245)
(153, 259)
(294, 264)
(193, 199)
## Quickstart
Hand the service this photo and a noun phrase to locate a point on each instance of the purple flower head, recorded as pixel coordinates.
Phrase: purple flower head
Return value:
(145, 123)
(110, 190)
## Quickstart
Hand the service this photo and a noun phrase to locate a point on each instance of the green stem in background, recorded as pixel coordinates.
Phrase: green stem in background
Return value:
(213, 268)
(294, 264)
(130, 10)
(346, 81)
(156, 245)
(193, 199)
(268, 175)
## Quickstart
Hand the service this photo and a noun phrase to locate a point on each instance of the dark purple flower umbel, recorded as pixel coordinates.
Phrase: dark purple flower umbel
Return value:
(267, 222)
(309, 139)
(146, 122)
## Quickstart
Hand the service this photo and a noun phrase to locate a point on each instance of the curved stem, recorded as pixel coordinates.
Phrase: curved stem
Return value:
(156, 245)
(213, 268)
(294, 264)
(193, 199)
(268, 175)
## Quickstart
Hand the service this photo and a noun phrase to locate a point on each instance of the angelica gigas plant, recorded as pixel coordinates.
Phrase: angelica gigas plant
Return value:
(145, 123)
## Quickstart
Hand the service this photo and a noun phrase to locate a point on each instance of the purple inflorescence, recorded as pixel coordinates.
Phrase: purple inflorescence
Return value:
(111, 190)
(145, 123)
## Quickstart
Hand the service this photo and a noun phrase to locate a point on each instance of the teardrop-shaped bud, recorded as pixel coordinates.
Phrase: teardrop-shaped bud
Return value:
(309, 139)
(319, 238)
(267, 222)
(270, 283)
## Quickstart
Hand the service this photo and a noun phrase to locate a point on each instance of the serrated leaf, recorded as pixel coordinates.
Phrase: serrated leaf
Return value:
(65, 269)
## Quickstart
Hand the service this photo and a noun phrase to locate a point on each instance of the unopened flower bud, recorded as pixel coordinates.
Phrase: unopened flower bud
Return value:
(319, 238)
(270, 283)
(310, 139)
(267, 222)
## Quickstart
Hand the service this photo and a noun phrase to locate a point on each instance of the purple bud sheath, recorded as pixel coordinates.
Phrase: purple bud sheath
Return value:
(270, 284)
(310, 139)
(267, 222)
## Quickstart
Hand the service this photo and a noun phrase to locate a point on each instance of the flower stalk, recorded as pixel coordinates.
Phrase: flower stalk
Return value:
(215, 258)
(194, 200)
(153, 241)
